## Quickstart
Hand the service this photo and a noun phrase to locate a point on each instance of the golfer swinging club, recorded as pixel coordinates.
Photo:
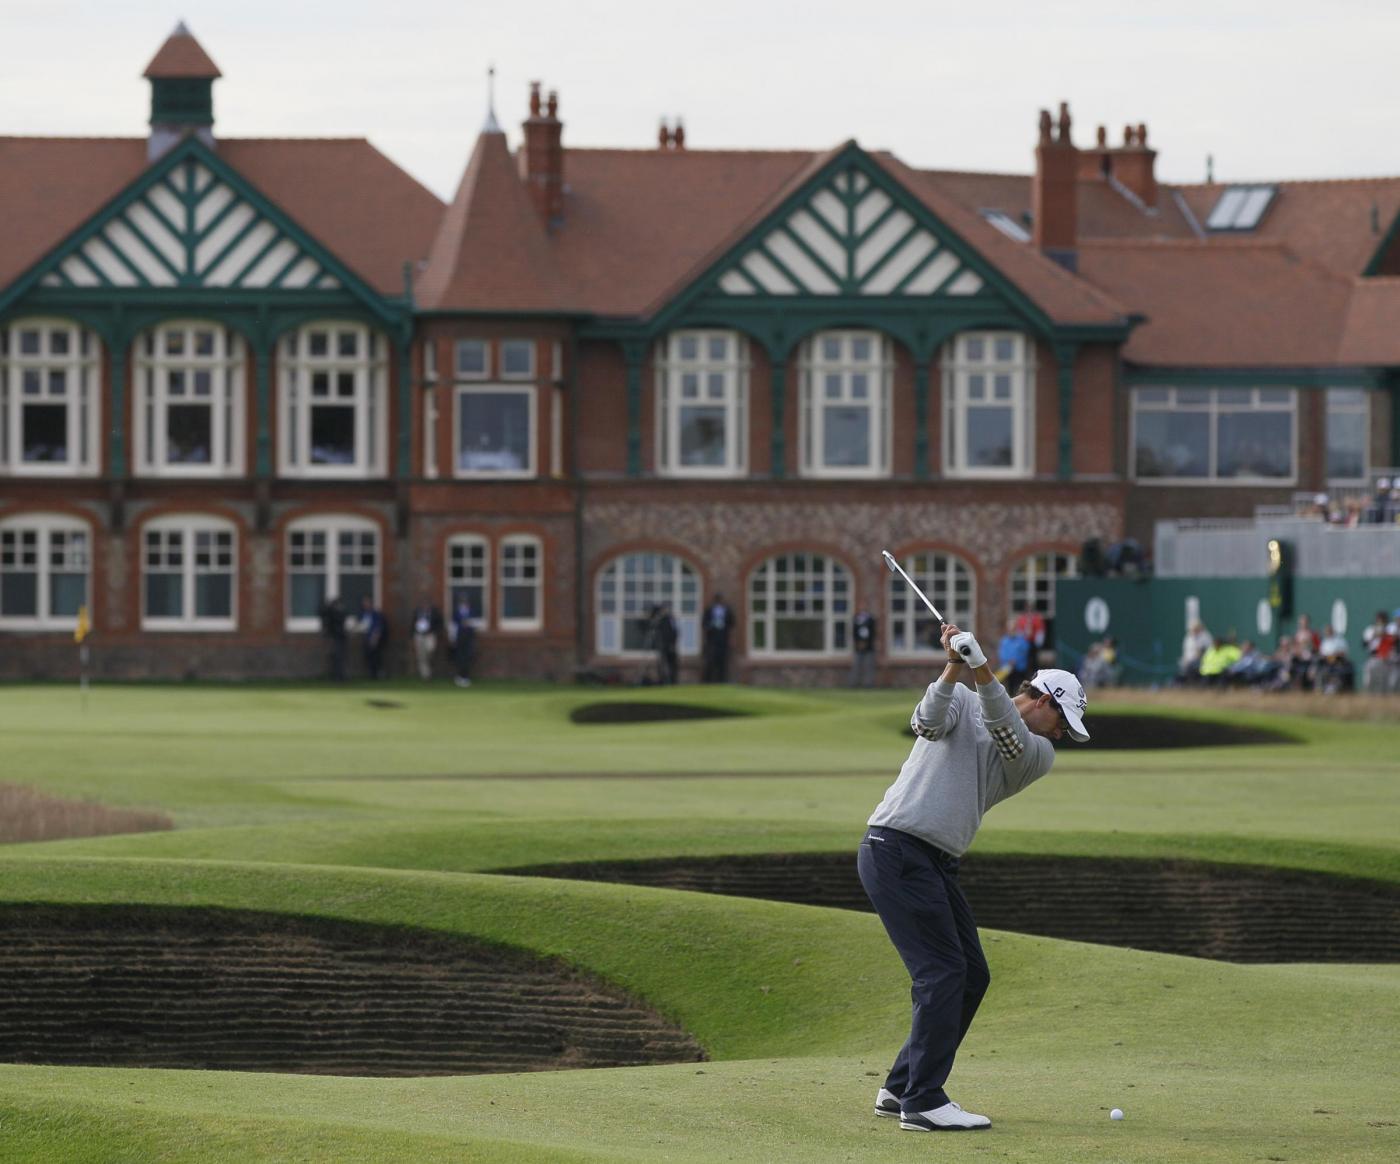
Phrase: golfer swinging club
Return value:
(973, 751)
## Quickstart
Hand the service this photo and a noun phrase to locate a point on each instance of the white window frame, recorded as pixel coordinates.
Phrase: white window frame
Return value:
(457, 371)
(960, 364)
(453, 576)
(530, 393)
(156, 368)
(673, 366)
(1032, 581)
(1214, 408)
(1356, 402)
(78, 555)
(838, 595)
(938, 574)
(81, 395)
(817, 369)
(332, 525)
(297, 369)
(189, 526)
(620, 597)
(505, 578)
(528, 345)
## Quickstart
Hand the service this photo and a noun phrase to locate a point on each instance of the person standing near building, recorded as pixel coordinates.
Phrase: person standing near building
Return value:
(719, 624)
(375, 627)
(1014, 656)
(427, 625)
(462, 632)
(333, 619)
(863, 638)
(667, 638)
(973, 751)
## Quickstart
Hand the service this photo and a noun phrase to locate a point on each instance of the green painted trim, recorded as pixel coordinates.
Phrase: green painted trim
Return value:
(777, 445)
(635, 356)
(1064, 375)
(802, 244)
(404, 458)
(1135, 377)
(904, 239)
(262, 253)
(1012, 304)
(921, 394)
(97, 271)
(287, 268)
(198, 275)
(783, 268)
(141, 280)
(116, 433)
(1393, 387)
(880, 220)
(262, 371)
(920, 267)
(388, 310)
(145, 240)
(182, 100)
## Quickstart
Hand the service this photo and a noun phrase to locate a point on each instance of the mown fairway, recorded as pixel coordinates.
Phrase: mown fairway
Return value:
(312, 801)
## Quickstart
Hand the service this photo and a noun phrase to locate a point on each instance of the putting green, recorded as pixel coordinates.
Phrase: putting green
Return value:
(308, 801)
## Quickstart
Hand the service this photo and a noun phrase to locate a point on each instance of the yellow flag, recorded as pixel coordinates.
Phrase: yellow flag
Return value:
(80, 632)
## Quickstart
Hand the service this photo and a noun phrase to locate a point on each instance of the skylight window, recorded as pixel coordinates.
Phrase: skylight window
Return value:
(1241, 207)
(1007, 225)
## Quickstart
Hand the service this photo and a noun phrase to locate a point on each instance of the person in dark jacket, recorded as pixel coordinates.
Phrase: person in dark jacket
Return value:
(719, 624)
(333, 619)
(462, 632)
(863, 628)
(375, 627)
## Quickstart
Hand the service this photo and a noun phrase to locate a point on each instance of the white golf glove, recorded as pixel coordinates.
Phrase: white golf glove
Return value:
(966, 645)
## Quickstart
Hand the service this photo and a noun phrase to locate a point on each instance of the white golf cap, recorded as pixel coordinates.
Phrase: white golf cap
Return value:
(1068, 692)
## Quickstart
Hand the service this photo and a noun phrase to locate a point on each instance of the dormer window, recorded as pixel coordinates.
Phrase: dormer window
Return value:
(1241, 207)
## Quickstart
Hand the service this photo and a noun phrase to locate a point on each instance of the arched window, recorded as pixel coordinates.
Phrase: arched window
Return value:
(328, 556)
(702, 382)
(988, 393)
(950, 585)
(333, 401)
(630, 586)
(48, 399)
(846, 378)
(521, 573)
(45, 560)
(469, 575)
(799, 604)
(189, 408)
(189, 567)
(1033, 590)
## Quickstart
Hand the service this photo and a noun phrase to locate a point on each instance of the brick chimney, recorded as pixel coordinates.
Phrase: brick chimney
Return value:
(1132, 164)
(542, 159)
(1054, 190)
(1135, 164)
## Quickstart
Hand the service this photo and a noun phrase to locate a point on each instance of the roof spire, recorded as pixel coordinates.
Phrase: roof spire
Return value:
(492, 125)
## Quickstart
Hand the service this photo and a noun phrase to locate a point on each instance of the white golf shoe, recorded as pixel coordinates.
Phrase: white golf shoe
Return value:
(948, 1118)
(886, 1103)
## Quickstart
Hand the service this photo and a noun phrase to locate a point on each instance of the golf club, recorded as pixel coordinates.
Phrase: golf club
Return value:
(896, 568)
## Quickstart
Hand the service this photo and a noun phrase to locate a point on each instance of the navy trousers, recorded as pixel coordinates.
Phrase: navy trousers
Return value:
(914, 888)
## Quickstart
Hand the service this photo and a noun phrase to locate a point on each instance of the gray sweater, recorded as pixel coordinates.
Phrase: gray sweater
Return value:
(973, 751)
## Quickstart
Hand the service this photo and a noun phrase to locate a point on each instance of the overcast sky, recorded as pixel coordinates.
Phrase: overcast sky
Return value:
(1281, 89)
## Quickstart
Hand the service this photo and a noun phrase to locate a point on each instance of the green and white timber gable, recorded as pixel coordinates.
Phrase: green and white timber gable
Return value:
(851, 248)
(191, 238)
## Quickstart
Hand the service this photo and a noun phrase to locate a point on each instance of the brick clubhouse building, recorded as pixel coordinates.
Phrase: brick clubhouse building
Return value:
(238, 376)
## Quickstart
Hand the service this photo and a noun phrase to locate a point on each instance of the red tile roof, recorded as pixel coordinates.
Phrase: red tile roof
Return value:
(343, 192)
(491, 251)
(1223, 303)
(181, 56)
(1370, 335)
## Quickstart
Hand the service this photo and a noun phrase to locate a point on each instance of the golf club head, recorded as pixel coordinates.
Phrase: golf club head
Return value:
(890, 564)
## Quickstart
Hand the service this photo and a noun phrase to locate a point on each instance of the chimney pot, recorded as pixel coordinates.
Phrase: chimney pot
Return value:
(663, 136)
(1127, 135)
(1064, 122)
(1101, 137)
(678, 138)
(1044, 127)
(1142, 134)
(553, 107)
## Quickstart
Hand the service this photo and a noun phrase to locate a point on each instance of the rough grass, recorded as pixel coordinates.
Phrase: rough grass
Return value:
(29, 815)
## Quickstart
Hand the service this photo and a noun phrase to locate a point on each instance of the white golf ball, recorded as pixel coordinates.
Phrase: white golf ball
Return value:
(1116, 1114)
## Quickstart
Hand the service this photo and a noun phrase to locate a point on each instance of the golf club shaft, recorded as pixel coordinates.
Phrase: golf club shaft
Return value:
(893, 565)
